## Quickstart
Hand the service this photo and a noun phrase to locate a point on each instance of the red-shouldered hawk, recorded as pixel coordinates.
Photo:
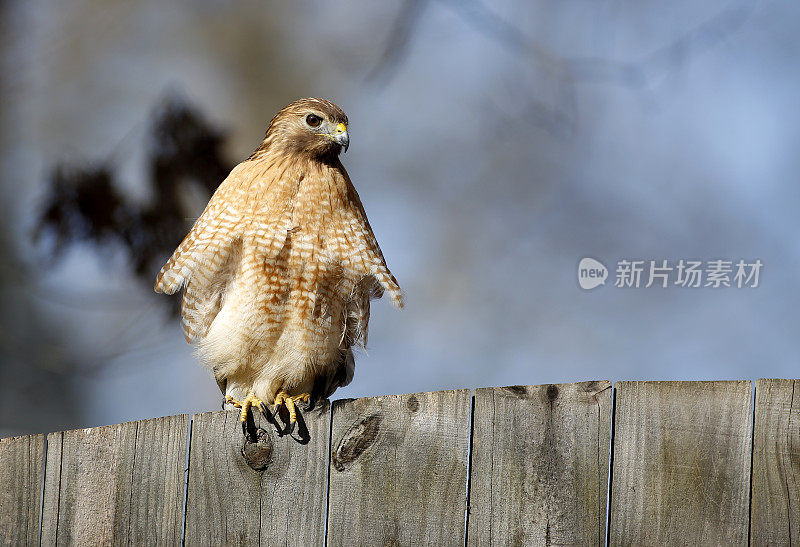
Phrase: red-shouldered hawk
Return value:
(279, 270)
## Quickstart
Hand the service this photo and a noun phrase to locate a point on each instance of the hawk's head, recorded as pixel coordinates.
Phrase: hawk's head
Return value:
(308, 126)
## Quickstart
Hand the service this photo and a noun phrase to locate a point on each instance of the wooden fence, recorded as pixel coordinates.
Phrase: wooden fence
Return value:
(685, 463)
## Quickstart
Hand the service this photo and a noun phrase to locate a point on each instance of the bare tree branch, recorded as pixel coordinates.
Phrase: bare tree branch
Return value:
(566, 72)
(668, 58)
(399, 39)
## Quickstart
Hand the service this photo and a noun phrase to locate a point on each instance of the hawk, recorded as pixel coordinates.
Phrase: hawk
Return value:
(278, 272)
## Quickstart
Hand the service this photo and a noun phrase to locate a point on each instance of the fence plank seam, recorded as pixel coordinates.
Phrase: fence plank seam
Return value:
(189, 424)
(609, 491)
(469, 466)
(328, 475)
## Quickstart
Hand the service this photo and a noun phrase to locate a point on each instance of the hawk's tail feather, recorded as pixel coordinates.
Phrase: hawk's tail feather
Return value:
(389, 284)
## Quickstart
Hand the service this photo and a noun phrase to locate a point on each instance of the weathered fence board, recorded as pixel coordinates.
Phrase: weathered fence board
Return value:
(116, 484)
(398, 470)
(20, 489)
(775, 509)
(392, 470)
(280, 502)
(539, 472)
(681, 471)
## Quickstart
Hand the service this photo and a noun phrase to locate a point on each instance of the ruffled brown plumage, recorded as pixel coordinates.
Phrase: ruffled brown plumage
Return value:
(279, 269)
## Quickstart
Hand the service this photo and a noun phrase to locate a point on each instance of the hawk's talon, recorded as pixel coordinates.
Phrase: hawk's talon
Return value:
(283, 398)
(249, 401)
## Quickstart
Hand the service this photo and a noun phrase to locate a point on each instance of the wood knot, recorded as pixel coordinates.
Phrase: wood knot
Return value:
(552, 392)
(357, 439)
(258, 453)
(519, 391)
(591, 387)
(412, 404)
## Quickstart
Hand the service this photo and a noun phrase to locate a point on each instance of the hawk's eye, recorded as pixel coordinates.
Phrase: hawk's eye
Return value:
(313, 120)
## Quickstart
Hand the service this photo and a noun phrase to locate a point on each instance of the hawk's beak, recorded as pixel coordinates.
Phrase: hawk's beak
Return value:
(341, 137)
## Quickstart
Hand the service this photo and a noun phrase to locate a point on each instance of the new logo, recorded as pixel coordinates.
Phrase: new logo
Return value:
(591, 273)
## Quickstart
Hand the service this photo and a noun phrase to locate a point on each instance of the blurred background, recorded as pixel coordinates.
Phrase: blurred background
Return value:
(494, 145)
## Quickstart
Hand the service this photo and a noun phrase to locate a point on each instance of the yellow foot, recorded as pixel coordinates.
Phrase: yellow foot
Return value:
(250, 400)
(283, 398)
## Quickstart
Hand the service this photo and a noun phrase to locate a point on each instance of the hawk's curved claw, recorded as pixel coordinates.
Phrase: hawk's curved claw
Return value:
(283, 398)
(249, 401)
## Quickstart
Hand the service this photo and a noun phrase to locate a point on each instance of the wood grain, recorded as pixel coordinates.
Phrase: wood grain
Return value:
(681, 471)
(230, 503)
(399, 470)
(21, 461)
(775, 509)
(540, 464)
(116, 484)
